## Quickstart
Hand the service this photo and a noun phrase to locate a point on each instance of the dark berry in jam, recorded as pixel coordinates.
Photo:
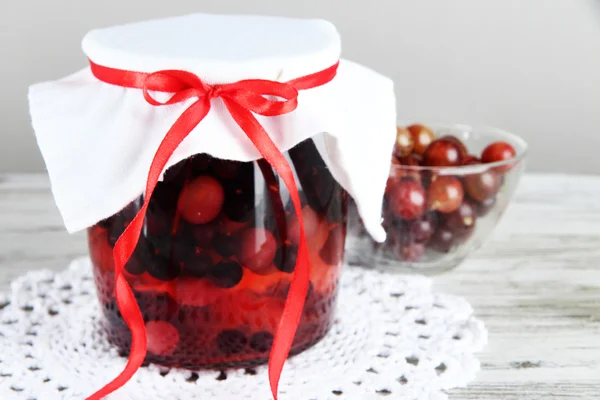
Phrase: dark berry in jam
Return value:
(333, 250)
(201, 200)
(257, 249)
(461, 221)
(442, 240)
(405, 143)
(482, 186)
(231, 341)
(442, 153)
(239, 204)
(285, 258)
(498, 151)
(225, 245)
(202, 235)
(422, 137)
(261, 342)
(407, 199)
(156, 306)
(226, 274)
(162, 269)
(197, 264)
(445, 194)
(201, 163)
(136, 265)
(226, 169)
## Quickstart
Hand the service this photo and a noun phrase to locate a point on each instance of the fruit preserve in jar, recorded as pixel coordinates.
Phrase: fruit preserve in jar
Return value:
(216, 256)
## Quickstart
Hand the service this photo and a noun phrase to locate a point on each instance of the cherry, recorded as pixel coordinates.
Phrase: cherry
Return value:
(422, 137)
(404, 142)
(231, 341)
(226, 274)
(485, 206)
(257, 249)
(483, 185)
(136, 265)
(411, 253)
(442, 240)
(396, 168)
(162, 337)
(461, 146)
(470, 159)
(421, 229)
(445, 194)
(461, 222)
(498, 151)
(261, 341)
(443, 153)
(407, 199)
(201, 200)
(156, 306)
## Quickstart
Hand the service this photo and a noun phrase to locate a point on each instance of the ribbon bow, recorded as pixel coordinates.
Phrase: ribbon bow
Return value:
(242, 99)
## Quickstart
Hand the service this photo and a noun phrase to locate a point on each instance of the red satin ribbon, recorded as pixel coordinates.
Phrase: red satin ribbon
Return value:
(242, 99)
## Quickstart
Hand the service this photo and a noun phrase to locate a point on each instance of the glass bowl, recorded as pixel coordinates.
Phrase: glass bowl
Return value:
(435, 216)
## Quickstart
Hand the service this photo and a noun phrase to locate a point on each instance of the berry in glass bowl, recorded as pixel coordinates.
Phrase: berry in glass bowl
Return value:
(442, 200)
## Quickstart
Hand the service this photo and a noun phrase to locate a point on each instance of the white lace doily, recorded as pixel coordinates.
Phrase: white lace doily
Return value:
(392, 337)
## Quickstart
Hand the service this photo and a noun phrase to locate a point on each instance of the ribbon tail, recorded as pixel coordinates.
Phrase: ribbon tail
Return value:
(294, 304)
(127, 242)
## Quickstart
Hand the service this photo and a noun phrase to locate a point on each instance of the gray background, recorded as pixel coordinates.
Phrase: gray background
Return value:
(530, 66)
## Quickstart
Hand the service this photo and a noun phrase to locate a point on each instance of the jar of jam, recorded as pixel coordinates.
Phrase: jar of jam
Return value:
(214, 263)
(210, 159)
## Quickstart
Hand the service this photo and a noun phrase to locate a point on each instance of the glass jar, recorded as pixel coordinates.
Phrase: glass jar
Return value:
(216, 257)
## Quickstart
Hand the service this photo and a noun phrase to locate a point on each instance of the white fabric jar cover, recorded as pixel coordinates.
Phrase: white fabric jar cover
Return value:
(98, 140)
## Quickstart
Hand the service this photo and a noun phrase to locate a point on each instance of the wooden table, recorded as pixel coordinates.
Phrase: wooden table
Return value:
(535, 283)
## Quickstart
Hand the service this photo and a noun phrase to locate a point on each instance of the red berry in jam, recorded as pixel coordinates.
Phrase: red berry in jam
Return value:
(482, 186)
(498, 151)
(162, 337)
(231, 341)
(261, 342)
(201, 200)
(257, 249)
(311, 221)
(442, 240)
(461, 221)
(407, 199)
(445, 194)
(422, 137)
(442, 153)
(226, 274)
(404, 142)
